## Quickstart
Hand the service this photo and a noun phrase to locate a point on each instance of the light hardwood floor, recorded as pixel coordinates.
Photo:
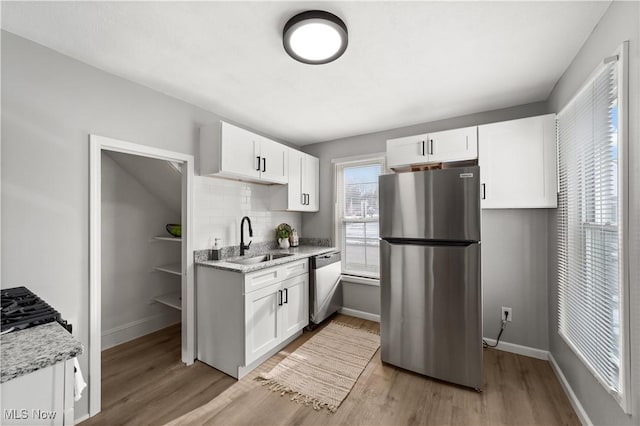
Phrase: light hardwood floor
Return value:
(517, 390)
(145, 382)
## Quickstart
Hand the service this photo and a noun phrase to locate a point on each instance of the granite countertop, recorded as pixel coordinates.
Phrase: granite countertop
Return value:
(297, 253)
(35, 348)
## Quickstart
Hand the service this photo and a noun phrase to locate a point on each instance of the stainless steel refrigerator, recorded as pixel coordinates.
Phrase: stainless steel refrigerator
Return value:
(431, 300)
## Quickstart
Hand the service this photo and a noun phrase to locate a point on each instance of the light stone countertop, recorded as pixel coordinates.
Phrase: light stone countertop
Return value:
(34, 348)
(300, 252)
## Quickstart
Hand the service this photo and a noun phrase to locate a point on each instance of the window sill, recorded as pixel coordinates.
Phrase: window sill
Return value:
(375, 282)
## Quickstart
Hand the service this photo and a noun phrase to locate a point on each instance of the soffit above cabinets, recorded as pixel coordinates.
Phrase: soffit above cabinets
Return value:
(407, 62)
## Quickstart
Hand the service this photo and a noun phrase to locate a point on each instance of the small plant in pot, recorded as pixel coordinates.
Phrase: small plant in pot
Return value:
(283, 231)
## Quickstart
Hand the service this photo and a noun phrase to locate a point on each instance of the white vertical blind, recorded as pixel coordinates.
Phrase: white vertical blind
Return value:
(590, 289)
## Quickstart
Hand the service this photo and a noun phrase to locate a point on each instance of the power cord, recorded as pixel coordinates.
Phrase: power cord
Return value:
(504, 325)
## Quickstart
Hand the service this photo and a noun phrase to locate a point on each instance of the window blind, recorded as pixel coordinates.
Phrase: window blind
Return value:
(589, 238)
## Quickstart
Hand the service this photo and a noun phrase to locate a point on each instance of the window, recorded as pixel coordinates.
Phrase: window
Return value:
(357, 216)
(591, 215)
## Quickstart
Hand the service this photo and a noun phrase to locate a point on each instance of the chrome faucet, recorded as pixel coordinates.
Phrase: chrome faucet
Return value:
(242, 246)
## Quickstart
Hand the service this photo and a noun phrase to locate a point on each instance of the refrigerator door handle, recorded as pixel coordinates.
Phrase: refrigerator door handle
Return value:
(484, 191)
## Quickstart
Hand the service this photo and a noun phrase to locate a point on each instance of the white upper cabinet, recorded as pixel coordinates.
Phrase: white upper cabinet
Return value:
(311, 182)
(453, 145)
(406, 151)
(517, 161)
(274, 161)
(237, 149)
(302, 191)
(230, 151)
(437, 147)
(294, 194)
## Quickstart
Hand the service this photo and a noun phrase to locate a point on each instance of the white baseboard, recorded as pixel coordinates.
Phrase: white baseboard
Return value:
(133, 330)
(575, 402)
(360, 314)
(519, 349)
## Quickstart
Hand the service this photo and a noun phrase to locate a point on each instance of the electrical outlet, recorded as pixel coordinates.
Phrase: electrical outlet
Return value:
(506, 310)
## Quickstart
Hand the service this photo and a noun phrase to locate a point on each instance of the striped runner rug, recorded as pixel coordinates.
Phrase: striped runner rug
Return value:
(322, 371)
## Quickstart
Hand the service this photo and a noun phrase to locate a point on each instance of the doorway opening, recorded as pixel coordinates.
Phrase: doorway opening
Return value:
(111, 163)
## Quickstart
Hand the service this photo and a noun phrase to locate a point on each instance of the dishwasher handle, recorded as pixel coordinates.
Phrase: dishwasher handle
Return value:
(325, 259)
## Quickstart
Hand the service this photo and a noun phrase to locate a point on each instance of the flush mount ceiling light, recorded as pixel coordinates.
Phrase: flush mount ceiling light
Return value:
(315, 37)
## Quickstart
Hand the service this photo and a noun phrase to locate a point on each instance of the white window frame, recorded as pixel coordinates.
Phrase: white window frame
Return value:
(624, 397)
(338, 165)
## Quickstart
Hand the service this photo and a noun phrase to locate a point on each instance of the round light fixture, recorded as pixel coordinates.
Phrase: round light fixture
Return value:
(315, 37)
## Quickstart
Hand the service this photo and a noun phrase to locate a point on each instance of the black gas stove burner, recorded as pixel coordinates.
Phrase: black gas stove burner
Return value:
(21, 309)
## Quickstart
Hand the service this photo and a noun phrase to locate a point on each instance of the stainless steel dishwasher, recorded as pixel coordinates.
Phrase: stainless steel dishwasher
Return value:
(325, 291)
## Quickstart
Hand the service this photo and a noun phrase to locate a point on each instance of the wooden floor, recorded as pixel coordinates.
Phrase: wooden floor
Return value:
(145, 382)
(517, 390)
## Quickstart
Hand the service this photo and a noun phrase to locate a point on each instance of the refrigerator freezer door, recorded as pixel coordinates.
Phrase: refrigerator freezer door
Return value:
(431, 312)
(434, 205)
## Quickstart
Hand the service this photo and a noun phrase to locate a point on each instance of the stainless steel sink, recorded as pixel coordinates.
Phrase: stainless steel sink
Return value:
(259, 259)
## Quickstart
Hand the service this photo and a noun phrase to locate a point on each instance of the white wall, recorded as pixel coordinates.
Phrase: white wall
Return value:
(131, 216)
(50, 105)
(511, 277)
(220, 204)
(621, 22)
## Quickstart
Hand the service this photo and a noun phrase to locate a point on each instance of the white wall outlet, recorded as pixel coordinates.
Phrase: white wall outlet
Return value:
(506, 310)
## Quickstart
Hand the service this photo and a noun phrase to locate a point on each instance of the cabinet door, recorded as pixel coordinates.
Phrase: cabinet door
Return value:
(274, 161)
(405, 151)
(295, 306)
(295, 197)
(239, 151)
(310, 183)
(263, 329)
(42, 391)
(518, 163)
(453, 145)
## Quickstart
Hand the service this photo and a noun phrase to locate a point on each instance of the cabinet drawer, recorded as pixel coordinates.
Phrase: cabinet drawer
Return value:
(262, 278)
(265, 277)
(294, 269)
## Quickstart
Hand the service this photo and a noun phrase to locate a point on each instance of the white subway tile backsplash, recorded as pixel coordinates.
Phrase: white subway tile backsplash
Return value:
(220, 204)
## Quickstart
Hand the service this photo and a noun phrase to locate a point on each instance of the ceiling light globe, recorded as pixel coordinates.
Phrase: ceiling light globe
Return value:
(315, 41)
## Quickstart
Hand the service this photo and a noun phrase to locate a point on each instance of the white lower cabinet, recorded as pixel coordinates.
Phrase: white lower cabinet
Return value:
(245, 318)
(273, 314)
(263, 321)
(43, 397)
(295, 312)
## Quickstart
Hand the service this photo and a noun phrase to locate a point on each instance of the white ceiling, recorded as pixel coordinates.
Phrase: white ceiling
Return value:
(407, 62)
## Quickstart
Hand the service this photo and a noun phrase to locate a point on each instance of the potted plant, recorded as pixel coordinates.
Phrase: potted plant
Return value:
(283, 231)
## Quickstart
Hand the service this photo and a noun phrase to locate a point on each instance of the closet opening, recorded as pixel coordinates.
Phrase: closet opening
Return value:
(141, 269)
